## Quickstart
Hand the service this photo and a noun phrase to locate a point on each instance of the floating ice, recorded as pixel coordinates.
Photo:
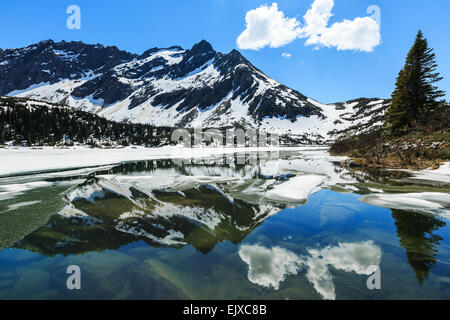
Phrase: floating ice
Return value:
(428, 202)
(12, 190)
(27, 160)
(296, 189)
(442, 174)
(16, 206)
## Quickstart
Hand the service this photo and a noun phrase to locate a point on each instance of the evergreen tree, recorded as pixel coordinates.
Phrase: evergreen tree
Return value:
(37, 124)
(397, 112)
(415, 96)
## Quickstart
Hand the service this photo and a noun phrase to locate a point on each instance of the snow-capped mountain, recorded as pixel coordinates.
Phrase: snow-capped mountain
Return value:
(175, 87)
(201, 215)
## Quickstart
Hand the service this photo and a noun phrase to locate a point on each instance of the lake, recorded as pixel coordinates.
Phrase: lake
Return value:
(298, 225)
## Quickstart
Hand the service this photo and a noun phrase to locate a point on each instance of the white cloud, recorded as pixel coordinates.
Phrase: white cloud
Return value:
(270, 267)
(286, 55)
(362, 258)
(361, 34)
(268, 26)
(317, 17)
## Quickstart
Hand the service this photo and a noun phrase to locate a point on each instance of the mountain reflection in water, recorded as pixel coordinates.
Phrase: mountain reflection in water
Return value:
(228, 215)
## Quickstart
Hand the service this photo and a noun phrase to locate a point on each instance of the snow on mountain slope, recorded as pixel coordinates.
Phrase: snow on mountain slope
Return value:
(198, 87)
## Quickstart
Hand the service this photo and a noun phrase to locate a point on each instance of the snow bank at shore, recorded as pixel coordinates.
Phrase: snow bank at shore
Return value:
(426, 202)
(442, 174)
(28, 160)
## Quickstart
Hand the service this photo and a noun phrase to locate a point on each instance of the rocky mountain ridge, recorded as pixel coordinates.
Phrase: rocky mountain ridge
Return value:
(198, 87)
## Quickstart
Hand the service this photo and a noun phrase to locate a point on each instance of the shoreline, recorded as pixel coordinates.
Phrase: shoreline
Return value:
(23, 160)
(393, 163)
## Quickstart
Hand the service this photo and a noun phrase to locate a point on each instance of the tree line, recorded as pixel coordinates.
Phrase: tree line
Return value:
(33, 123)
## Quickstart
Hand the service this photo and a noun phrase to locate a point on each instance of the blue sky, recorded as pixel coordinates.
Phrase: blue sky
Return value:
(322, 73)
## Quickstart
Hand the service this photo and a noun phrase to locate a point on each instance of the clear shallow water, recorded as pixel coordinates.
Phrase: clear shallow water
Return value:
(156, 230)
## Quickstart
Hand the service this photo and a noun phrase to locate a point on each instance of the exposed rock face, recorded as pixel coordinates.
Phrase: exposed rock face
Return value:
(49, 62)
(198, 87)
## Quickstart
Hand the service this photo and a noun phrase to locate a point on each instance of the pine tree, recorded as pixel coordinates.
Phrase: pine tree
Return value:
(415, 96)
(397, 112)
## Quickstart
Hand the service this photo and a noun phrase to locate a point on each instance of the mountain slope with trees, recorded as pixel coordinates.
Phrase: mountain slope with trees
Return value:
(184, 88)
(416, 132)
(35, 123)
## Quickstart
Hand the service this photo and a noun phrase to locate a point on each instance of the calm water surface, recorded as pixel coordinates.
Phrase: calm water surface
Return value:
(208, 230)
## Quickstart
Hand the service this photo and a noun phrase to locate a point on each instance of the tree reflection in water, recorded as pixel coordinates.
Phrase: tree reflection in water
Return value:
(416, 233)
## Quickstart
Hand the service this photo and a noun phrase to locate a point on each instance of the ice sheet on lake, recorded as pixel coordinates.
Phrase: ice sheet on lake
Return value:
(23, 160)
(16, 206)
(10, 191)
(442, 174)
(427, 202)
(296, 188)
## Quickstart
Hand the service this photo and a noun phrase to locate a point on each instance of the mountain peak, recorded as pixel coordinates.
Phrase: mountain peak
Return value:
(236, 54)
(47, 42)
(202, 47)
(191, 88)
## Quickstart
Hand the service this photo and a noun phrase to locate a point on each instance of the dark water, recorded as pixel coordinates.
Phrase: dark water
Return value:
(156, 230)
